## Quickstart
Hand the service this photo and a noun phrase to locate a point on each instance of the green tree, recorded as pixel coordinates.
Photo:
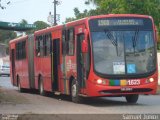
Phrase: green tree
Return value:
(6, 36)
(146, 7)
(79, 15)
(23, 21)
(39, 25)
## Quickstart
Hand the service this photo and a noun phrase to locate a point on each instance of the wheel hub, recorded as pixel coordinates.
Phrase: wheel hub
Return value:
(74, 90)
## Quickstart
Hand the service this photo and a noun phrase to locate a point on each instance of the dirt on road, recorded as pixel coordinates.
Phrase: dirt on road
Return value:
(29, 103)
(8, 96)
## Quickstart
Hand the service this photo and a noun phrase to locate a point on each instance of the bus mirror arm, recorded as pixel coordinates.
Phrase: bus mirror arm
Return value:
(84, 46)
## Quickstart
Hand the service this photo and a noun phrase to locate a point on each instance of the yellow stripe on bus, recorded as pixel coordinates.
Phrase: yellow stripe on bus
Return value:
(123, 82)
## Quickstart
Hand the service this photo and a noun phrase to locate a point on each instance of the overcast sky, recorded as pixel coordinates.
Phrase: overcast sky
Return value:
(33, 10)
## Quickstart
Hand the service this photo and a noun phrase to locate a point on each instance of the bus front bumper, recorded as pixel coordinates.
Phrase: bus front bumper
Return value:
(94, 90)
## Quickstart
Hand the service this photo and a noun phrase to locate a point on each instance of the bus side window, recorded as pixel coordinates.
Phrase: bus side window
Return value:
(45, 45)
(64, 42)
(37, 46)
(23, 56)
(71, 41)
(21, 50)
(48, 40)
(41, 46)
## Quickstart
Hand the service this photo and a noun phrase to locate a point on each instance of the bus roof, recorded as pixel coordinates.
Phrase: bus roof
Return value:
(48, 29)
(120, 15)
(18, 39)
(81, 21)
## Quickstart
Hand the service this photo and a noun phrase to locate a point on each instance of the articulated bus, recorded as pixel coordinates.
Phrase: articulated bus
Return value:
(99, 56)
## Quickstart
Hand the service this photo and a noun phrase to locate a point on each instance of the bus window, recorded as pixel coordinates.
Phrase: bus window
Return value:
(64, 42)
(71, 42)
(41, 46)
(37, 46)
(45, 45)
(21, 50)
(48, 40)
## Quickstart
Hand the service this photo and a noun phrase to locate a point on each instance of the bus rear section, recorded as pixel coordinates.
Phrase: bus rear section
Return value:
(21, 62)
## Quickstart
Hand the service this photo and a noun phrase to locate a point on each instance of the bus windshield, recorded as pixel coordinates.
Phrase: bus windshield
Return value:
(123, 51)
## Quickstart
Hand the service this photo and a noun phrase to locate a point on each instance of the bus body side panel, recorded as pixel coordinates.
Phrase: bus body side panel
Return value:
(72, 68)
(23, 73)
(42, 68)
(31, 61)
(46, 73)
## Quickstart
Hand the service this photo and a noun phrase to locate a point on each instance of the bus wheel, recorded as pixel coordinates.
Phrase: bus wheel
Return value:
(41, 87)
(74, 92)
(132, 98)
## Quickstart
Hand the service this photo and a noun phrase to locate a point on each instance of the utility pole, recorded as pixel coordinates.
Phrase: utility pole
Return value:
(55, 2)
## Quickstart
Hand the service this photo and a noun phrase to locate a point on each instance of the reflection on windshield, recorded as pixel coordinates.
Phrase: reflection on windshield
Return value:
(133, 52)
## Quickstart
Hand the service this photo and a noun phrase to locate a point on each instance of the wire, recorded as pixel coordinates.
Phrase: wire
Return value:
(19, 1)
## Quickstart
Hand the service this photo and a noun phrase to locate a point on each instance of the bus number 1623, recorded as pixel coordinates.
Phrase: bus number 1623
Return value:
(134, 82)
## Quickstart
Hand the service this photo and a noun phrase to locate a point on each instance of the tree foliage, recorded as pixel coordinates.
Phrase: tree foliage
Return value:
(6, 35)
(146, 7)
(23, 21)
(39, 25)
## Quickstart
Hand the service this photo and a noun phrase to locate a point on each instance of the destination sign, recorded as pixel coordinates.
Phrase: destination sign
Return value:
(119, 22)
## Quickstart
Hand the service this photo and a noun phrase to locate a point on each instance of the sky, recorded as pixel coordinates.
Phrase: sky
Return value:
(33, 10)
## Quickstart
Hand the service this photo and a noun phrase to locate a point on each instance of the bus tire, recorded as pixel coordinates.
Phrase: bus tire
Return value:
(132, 98)
(74, 92)
(41, 87)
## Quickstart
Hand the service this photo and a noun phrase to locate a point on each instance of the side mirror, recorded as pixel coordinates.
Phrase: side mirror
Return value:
(84, 46)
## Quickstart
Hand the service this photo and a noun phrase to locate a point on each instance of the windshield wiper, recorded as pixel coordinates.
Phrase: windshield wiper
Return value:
(112, 39)
(135, 39)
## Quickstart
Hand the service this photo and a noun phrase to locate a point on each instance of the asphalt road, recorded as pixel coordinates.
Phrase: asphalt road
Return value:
(34, 103)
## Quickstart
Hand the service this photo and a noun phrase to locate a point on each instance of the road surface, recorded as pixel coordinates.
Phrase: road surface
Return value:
(32, 103)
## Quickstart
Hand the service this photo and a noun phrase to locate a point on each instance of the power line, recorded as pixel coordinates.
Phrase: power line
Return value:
(20, 1)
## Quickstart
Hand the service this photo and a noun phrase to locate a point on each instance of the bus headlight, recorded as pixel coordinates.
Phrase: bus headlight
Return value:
(101, 82)
(151, 79)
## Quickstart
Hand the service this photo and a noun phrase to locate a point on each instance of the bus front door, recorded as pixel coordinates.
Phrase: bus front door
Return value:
(55, 62)
(80, 62)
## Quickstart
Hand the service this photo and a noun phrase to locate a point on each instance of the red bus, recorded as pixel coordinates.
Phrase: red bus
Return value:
(106, 55)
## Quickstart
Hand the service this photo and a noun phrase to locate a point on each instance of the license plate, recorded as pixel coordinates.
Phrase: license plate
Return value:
(126, 89)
